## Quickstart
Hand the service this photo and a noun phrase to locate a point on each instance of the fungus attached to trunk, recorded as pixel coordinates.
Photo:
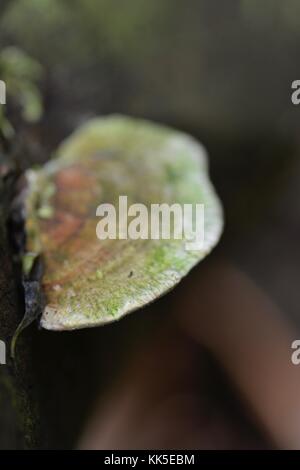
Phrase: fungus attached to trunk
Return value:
(87, 281)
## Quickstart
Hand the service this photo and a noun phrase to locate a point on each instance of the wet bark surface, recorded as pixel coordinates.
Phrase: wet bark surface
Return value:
(21, 419)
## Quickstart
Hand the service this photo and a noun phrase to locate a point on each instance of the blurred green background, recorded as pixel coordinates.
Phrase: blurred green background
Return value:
(220, 70)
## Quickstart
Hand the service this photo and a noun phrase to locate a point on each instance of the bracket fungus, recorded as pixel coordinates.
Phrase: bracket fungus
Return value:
(87, 281)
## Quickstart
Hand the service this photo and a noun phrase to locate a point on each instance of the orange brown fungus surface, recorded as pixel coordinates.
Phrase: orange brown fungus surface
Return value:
(87, 281)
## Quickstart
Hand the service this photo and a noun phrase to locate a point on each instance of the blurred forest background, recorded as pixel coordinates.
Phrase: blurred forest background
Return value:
(221, 71)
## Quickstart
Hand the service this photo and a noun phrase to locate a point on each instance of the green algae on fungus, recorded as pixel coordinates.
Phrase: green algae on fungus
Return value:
(87, 281)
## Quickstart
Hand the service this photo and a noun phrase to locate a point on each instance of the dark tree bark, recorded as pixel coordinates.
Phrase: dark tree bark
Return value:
(20, 428)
